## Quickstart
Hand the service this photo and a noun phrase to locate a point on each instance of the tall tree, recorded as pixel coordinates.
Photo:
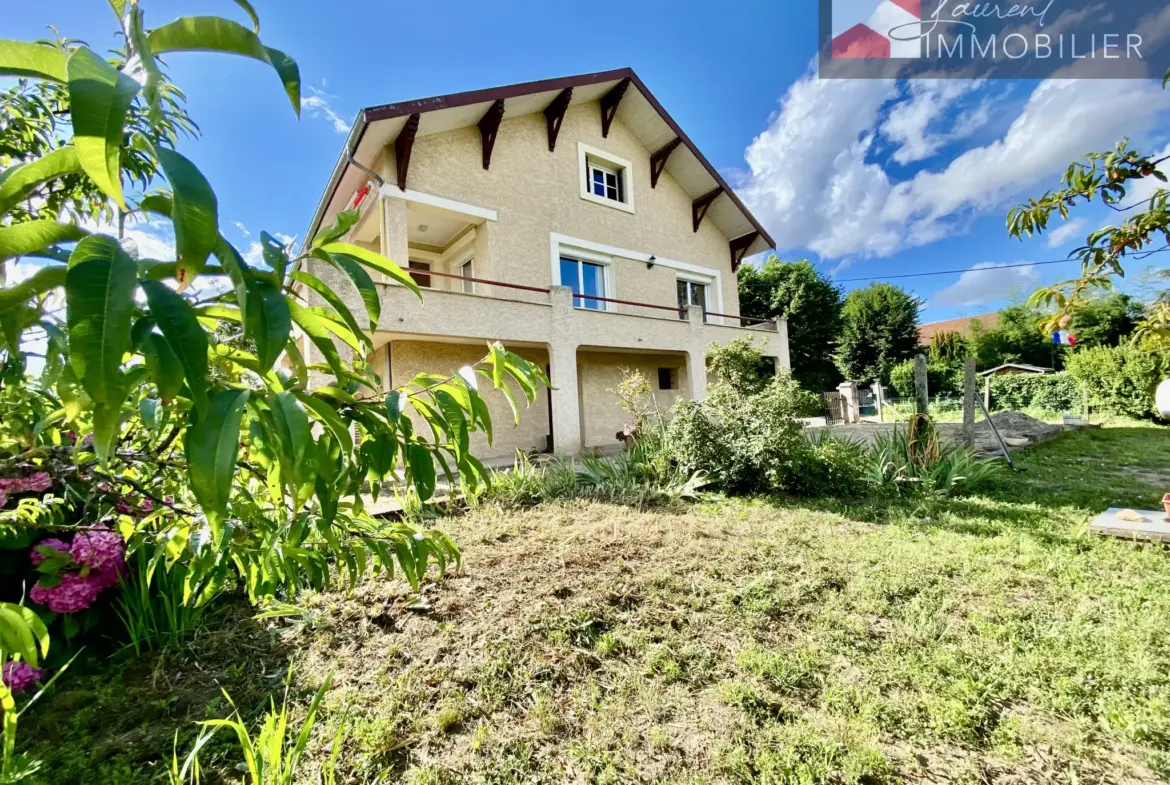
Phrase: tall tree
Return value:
(1017, 338)
(811, 303)
(880, 328)
(1106, 321)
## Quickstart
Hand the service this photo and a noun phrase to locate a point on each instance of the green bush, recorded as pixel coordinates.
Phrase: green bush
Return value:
(752, 443)
(1053, 392)
(944, 379)
(1119, 379)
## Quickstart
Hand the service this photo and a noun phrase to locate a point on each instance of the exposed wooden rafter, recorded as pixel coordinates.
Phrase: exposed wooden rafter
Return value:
(658, 160)
(609, 104)
(701, 205)
(402, 147)
(488, 125)
(739, 247)
(554, 114)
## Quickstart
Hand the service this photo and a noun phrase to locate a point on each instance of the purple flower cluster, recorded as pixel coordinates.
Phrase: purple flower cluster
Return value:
(19, 676)
(34, 483)
(97, 559)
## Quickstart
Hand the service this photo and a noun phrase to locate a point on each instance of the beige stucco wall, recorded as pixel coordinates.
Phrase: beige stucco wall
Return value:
(410, 358)
(536, 192)
(598, 375)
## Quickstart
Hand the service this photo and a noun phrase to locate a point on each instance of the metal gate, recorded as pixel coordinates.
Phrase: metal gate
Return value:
(834, 408)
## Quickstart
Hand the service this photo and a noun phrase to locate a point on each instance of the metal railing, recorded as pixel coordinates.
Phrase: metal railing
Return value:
(416, 274)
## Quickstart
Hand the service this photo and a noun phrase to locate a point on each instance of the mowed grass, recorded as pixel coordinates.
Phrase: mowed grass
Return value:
(980, 639)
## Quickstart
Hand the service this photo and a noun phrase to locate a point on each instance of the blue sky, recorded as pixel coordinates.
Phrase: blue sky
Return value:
(867, 178)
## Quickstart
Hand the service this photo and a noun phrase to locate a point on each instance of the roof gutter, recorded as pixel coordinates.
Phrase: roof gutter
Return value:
(347, 157)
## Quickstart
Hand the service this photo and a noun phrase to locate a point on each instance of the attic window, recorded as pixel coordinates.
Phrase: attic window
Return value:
(605, 179)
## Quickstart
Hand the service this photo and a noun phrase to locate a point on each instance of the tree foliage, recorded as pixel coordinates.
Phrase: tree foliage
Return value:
(880, 328)
(811, 303)
(175, 401)
(1016, 338)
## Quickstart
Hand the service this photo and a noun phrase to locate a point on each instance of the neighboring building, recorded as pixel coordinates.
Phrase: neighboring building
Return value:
(1016, 368)
(926, 332)
(571, 219)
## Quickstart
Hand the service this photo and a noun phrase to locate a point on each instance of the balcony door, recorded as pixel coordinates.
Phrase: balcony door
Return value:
(691, 293)
(584, 278)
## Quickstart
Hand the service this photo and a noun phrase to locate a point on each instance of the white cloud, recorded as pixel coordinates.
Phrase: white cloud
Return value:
(814, 183)
(1072, 229)
(318, 104)
(985, 283)
(913, 124)
(243, 229)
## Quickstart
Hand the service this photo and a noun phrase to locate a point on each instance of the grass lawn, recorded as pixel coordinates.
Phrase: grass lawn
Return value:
(981, 639)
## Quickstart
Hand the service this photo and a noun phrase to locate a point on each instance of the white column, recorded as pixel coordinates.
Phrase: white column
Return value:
(562, 357)
(696, 353)
(785, 361)
(848, 391)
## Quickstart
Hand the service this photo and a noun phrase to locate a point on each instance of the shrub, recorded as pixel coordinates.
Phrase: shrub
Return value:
(1053, 392)
(913, 459)
(1119, 379)
(752, 443)
(944, 379)
(740, 365)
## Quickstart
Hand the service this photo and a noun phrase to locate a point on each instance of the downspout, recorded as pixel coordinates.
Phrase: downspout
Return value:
(349, 151)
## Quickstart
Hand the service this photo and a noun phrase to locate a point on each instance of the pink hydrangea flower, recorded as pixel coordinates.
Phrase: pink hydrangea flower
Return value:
(34, 483)
(3, 498)
(146, 506)
(104, 552)
(19, 676)
(52, 542)
(74, 593)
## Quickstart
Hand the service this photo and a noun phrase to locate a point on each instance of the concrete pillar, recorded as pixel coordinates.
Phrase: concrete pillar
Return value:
(696, 353)
(394, 229)
(921, 388)
(562, 357)
(879, 400)
(782, 344)
(969, 393)
(848, 392)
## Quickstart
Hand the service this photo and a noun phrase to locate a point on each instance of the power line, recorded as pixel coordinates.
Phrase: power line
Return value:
(977, 269)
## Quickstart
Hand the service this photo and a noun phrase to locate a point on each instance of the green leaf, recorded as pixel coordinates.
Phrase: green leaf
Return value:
(361, 281)
(422, 469)
(43, 280)
(195, 213)
(395, 401)
(216, 34)
(39, 61)
(375, 261)
(17, 182)
(268, 322)
(275, 256)
(212, 444)
(335, 302)
(177, 321)
(25, 238)
(345, 221)
(326, 414)
(238, 270)
(163, 366)
(251, 12)
(16, 636)
(313, 326)
(100, 95)
(99, 298)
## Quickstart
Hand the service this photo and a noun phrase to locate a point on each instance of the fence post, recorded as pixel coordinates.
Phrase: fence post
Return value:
(969, 402)
(921, 389)
(879, 400)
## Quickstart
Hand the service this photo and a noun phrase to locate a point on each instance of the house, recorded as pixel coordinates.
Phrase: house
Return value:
(1015, 368)
(571, 219)
(963, 326)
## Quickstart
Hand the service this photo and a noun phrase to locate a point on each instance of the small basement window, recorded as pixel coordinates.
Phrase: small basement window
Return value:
(668, 378)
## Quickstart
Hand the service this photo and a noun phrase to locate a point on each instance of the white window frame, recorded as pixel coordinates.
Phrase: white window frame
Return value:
(589, 157)
(467, 287)
(604, 262)
(704, 281)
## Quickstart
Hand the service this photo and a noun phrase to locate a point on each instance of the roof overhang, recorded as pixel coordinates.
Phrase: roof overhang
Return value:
(638, 109)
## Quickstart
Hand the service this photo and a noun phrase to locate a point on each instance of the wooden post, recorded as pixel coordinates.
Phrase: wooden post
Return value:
(921, 388)
(969, 402)
(987, 392)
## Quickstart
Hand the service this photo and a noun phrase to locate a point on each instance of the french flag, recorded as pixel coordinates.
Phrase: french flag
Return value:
(1064, 338)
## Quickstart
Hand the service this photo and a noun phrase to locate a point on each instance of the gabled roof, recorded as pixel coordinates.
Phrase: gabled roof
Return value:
(638, 109)
(1023, 367)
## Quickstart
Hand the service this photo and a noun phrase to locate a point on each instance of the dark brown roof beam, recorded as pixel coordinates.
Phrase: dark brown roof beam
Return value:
(402, 147)
(554, 114)
(488, 125)
(739, 247)
(658, 160)
(701, 205)
(609, 104)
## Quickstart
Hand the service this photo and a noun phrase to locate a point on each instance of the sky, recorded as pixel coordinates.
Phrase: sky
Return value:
(863, 177)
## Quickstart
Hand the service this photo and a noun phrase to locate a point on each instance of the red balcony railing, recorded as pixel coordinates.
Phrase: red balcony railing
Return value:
(743, 320)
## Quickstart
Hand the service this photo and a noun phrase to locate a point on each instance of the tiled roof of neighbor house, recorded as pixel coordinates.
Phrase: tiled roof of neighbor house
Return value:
(926, 332)
(378, 126)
